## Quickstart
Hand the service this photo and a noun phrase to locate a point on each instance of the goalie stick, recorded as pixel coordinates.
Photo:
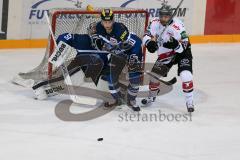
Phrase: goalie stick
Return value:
(60, 78)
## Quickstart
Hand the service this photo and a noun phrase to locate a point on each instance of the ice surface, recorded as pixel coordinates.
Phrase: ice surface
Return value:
(29, 129)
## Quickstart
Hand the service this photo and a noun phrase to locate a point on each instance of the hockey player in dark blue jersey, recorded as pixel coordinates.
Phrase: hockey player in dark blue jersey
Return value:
(125, 48)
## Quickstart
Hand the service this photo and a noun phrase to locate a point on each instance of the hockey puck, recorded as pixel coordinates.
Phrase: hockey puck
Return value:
(100, 139)
(144, 101)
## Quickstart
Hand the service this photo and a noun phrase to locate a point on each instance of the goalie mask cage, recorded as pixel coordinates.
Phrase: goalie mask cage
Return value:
(76, 21)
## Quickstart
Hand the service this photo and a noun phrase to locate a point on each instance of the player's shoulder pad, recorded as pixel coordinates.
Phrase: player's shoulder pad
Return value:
(177, 25)
(123, 31)
(178, 28)
(154, 23)
(155, 20)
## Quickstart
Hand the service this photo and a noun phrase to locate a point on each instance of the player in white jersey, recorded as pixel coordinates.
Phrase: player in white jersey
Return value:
(169, 39)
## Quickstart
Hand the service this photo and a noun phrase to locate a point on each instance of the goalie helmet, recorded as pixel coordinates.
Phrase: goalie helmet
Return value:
(165, 10)
(107, 14)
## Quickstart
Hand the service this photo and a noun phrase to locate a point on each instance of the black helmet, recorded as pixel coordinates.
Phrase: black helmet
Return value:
(107, 14)
(165, 10)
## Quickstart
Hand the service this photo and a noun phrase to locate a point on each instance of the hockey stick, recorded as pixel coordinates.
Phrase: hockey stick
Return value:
(168, 83)
(54, 80)
(92, 51)
(65, 72)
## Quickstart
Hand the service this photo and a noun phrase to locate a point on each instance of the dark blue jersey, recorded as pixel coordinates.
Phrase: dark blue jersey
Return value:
(118, 34)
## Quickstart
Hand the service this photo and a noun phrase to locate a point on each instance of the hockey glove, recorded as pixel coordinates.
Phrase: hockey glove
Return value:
(113, 49)
(97, 42)
(152, 46)
(108, 47)
(171, 44)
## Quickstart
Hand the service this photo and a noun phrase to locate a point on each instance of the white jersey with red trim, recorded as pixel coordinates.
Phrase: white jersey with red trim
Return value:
(176, 30)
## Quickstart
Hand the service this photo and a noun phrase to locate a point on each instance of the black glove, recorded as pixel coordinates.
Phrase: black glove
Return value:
(152, 46)
(171, 44)
(97, 42)
(114, 49)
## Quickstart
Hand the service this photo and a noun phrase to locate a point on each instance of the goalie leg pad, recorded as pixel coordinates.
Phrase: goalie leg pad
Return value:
(40, 93)
(45, 91)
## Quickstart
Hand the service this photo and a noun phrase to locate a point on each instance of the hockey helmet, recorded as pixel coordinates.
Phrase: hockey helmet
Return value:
(166, 10)
(107, 14)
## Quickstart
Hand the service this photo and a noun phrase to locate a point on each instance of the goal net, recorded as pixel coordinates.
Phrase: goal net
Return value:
(76, 21)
